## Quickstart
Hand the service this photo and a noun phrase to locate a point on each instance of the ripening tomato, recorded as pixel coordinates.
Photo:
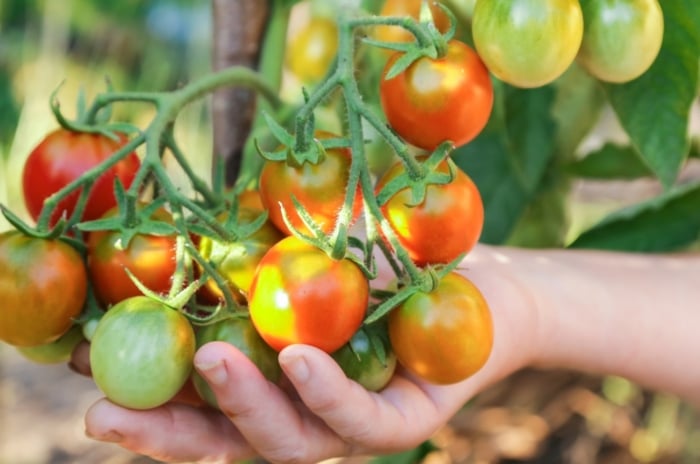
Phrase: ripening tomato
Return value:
(43, 286)
(445, 225)
(527, 43)
(142, 352)
(311, 51)
(621, 38)
(320, 188)
(408, 8)
(444, 336)
(301, 295)
(62, 157)
(434, 100)
(150, 258)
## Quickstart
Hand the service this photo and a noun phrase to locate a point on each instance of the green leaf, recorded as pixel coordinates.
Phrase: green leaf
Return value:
(509, 158)
(413, 456)
(611, 162)
(654, 108)
(665, 223)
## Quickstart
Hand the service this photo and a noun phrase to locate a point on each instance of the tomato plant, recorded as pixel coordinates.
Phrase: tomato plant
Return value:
(312, 50)
(236, 261)
(63, 156)
(409, 8)
(621, 38)
(319, 188)
(150, 258)
(443, 336)
(239, 332)
(301, 295)
(454, 209)
(141, 353)
(58, 351)
(361, 360)
(43, 286)
(527, 43)
(433, 100)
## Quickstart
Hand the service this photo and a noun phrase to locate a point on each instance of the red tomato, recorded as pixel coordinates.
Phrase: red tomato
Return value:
(320, 188)
(43, 286)
(449, 98)
(62, 157)
(150, 258)
(301, 295)
(443, 336)
(410, 8)
(447, 224)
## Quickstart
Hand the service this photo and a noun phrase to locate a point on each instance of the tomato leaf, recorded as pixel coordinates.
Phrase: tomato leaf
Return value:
(667, 222)
(654, 108)
(611, 161)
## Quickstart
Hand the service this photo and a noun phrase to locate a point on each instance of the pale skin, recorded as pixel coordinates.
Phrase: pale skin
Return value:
(605, 313)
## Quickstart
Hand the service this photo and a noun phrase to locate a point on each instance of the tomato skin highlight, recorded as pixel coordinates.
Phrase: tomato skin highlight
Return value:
(301, 295)
(621, 38)
(449, 98)
(43, 287)
(63, 156)
(141, 354)
(453, 211)
(311, 52)
(444, 336)
(527, 43)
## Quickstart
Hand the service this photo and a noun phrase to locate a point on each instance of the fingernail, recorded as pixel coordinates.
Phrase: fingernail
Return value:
(296, 369)
(111, 436)
(215, 372)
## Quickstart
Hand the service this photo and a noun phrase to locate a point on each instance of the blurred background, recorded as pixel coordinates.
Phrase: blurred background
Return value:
(73, 46)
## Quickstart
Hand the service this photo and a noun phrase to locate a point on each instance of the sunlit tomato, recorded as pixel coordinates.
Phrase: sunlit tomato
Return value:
(320, 188)
(527, 43)
(236, 261)
(361, 361)
(443, 336)
(240, 333)
(58, 351)
(449, 98)
(250, 199)
(407, 8)
(621, 38)
(150, 258)
(311, 51)
(445, 225)
(301, 295)
(141, 354)
(62, 157)
(43, 286)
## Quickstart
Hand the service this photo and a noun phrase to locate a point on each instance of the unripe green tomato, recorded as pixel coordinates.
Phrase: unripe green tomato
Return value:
(621, 38)
(55, 352)
(360, 359)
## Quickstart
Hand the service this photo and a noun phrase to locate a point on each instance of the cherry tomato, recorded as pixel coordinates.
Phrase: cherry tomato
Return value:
(141, 354)
(43, 286)
(621, 38)
(58, 351)
(150, 258)
(301, 295)
(449, 98)
(447, 224)
(360, 359)
(527, 43)
(408, 8)
(62, 157)
(312, 50)
(240, 333)
(236, 261)
(320, 188)
(444, 336)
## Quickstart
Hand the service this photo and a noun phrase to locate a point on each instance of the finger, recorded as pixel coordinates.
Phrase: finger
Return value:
(273, 423)
(403, 415)
(171, 433)
(80, 359)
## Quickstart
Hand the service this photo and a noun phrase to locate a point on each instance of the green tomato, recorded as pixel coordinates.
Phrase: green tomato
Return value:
(368, 358)
(141, 353)
(621, 38)
(240, 333)
(527, 43)
(55, 352)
